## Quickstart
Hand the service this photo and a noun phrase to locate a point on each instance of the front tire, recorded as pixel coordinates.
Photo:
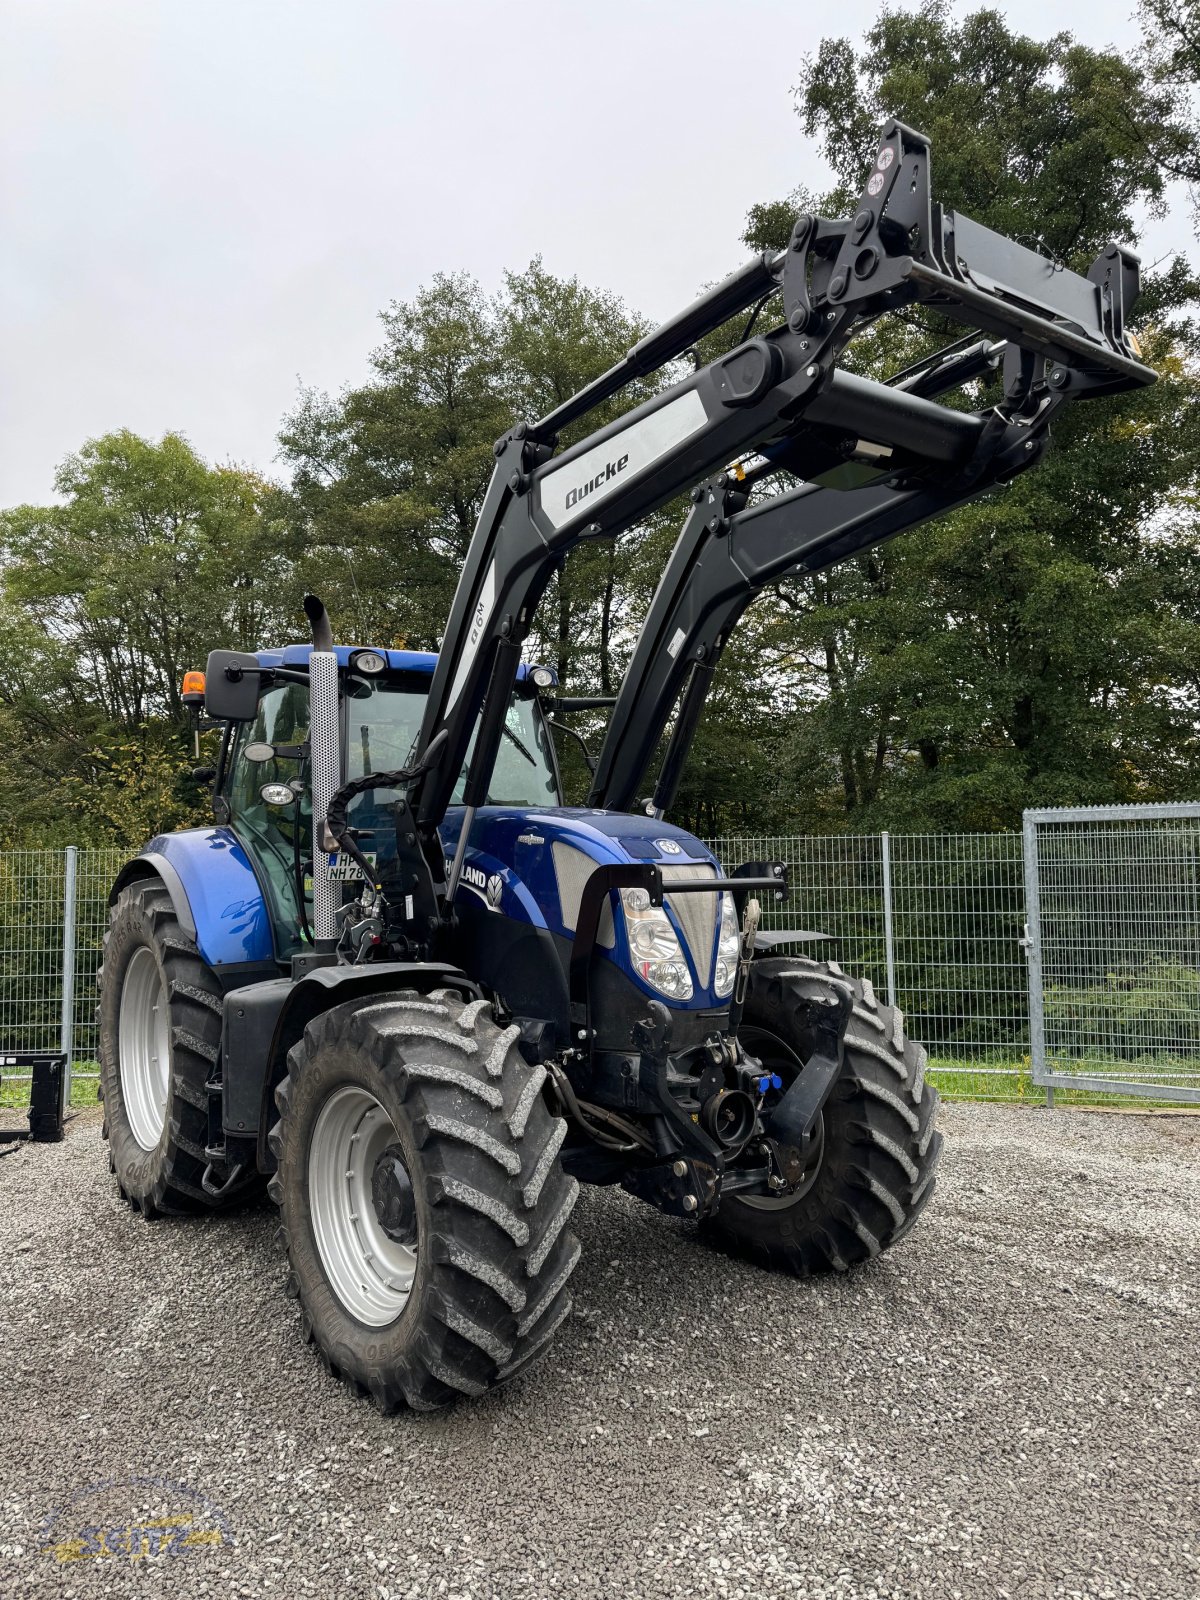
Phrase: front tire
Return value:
(160, 1037)
(874, 1172)
(422, 1200)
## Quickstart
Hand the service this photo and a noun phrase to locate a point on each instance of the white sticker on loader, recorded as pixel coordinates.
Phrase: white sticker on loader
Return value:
(475, 633)
(577, 486)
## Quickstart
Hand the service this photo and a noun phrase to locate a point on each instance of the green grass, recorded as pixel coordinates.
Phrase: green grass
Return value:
(14, 1092)
(1010, 1082)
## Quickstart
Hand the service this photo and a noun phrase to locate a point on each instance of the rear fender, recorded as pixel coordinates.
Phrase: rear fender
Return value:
(216, 897)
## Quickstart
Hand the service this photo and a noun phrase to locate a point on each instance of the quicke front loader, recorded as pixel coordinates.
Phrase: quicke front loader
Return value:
(403, 983)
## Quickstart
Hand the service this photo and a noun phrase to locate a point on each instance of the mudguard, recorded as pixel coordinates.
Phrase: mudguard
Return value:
(216, 896)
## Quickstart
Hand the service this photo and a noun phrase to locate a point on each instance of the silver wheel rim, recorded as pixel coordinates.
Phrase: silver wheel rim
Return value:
(371, 1274)
(144, 1047)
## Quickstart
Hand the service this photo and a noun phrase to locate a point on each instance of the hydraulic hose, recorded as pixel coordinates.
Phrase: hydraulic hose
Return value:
(337, 821)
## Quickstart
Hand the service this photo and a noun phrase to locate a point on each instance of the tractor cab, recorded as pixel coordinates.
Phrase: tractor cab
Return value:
(521, 923)
(264, 786)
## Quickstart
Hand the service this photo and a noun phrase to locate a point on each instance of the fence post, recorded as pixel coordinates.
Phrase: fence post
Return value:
(67, 1029)
(889, 944)
(1033, 957)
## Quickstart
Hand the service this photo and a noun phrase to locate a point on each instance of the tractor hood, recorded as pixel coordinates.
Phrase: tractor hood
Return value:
(532, 866)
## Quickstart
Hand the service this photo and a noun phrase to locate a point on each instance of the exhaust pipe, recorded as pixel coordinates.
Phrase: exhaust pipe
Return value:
(318, 620)
(325, 743)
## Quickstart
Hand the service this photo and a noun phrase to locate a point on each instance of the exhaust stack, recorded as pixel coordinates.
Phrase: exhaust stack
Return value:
(325, 743)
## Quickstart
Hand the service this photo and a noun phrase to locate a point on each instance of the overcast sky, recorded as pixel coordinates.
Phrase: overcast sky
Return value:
(204, 201)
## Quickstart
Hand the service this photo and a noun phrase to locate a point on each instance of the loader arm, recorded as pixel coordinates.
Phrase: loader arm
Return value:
(729, 551)
(781, 393)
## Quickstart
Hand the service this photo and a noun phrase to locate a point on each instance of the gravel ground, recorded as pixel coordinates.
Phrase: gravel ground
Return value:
(1003, 1406)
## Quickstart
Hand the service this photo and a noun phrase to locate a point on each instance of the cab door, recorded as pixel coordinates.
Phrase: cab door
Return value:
(273, 749)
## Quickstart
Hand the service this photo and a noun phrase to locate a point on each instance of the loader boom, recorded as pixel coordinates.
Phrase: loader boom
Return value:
(781, 393)
(730, 550)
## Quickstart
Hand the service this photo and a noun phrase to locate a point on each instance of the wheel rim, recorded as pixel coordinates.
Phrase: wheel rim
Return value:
(779, 1057)
(371, 1273)
(144, 1047)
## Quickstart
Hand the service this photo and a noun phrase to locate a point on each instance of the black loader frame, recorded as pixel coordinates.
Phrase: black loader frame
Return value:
(777, 403)
(1060, 336)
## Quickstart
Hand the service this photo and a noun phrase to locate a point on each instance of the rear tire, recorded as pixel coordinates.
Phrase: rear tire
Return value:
(475, 1290)
(880, 1148)
(160, 1037)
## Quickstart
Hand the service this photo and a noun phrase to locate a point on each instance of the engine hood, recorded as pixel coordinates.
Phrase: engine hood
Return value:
(531, 865)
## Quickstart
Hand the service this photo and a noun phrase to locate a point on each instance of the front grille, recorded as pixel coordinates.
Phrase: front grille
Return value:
(695, 913)
(572, 869)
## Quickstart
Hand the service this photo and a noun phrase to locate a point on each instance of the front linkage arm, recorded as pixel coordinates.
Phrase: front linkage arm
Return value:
(779, 393)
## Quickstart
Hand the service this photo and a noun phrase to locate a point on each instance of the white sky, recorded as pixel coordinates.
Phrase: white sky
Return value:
(203, 201)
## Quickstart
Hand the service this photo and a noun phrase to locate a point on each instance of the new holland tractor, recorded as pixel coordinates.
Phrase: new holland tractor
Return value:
(403, 983)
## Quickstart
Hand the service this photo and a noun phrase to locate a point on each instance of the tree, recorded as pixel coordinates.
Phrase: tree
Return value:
(152, 559)
(1032, 647)
(388, 480)
(1171, 58)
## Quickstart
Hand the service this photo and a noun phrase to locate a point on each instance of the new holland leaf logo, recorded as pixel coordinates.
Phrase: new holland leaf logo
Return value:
(490, 889)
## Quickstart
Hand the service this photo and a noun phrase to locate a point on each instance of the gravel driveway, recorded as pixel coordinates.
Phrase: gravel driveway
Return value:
(1003, 1406)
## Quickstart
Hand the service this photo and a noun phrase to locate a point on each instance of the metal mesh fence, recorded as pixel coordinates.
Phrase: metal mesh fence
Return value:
(31, 949)
(32, 887)
(935, 921)
(1115, 928)
(837, 888)
(96, 871)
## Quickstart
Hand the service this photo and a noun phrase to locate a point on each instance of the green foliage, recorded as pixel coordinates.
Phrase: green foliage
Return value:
(388, 480)
(1039, 139)
(1133, 1016)
(150, 560)
(1035, 647)
(1170, 59)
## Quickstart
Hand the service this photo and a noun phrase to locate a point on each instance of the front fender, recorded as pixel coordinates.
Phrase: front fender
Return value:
(215, 893)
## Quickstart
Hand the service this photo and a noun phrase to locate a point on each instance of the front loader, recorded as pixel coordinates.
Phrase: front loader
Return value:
(399, 980)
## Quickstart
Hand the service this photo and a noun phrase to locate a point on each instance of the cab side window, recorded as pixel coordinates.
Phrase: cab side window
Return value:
(275, 836)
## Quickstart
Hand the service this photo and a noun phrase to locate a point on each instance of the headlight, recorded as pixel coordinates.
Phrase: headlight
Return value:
(728, 947)
(653, 946)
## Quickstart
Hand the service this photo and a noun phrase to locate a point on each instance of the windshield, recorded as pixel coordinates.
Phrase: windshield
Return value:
(383, 719)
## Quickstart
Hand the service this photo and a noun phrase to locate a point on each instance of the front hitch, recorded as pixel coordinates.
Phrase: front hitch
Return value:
(792, 1123)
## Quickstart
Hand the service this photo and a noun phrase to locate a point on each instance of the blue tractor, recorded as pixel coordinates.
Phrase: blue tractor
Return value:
(404, 984)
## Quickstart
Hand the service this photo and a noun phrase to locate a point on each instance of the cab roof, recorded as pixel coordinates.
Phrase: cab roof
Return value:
(296, 655)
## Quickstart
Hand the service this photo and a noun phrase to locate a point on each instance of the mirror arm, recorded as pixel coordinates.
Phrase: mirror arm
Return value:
(564, 727)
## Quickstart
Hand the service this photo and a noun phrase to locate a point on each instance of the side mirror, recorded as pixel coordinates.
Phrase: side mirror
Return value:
(231, 682)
